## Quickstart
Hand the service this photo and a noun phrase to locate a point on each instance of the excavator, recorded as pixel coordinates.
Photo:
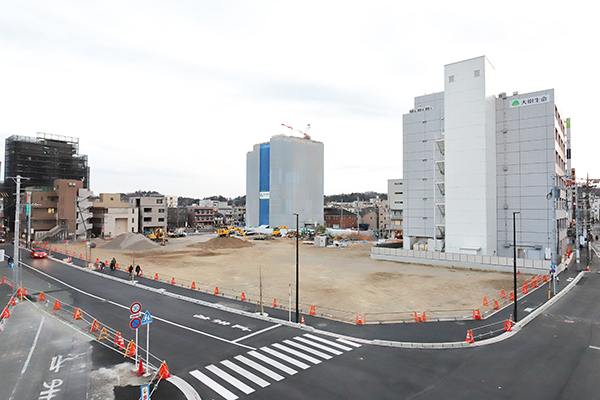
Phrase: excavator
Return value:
(159, 235)
(225, 232)
(280, 230)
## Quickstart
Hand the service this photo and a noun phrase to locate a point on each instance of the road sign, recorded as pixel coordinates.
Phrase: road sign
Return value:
(145, 392)
(135, 323)
(146, 319)
(135, 308)
(553, 269)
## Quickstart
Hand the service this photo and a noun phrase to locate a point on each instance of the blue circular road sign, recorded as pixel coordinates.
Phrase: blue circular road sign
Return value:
(135, 323)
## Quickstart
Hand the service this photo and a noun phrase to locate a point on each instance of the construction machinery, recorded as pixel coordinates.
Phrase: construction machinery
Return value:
(225, 232)
(158, 235)
(280, 230)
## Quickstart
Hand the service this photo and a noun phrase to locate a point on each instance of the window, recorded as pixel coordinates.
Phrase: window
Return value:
(147, 210)
(132, 220)
(147, 219)
(161, 220)
(451, 78)
(477, 73)
(161, 210)
(51, 211)
(159, 201)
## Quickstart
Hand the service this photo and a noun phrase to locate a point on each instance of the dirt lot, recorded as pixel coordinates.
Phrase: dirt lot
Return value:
(342, 278)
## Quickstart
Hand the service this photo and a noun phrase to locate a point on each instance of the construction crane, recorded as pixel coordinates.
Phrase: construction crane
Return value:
(306, 136)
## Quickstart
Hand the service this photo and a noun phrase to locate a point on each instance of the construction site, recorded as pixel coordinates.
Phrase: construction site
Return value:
(336, 281)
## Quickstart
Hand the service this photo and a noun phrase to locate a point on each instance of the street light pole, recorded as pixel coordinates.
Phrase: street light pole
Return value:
(297, 272)
(515, 263)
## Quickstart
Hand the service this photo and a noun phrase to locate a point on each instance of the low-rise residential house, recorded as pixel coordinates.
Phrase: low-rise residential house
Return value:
(339, 218)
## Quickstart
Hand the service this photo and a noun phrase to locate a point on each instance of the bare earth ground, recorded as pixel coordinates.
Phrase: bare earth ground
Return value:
(341, 278)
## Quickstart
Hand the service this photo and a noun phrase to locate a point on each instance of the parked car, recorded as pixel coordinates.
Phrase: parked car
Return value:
(36, 252)
(2, 239)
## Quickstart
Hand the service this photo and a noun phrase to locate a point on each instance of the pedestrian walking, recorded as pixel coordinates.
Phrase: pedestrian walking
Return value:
(130, 270)
(113, 264)
(138, 270)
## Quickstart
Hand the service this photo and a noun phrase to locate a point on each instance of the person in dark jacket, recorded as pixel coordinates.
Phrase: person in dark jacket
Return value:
(130, 270)
(138, 270)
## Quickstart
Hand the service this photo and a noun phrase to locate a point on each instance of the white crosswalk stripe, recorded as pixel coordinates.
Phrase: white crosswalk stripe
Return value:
(299, 351)
(272, 362)
(259, 368)
(247, 374)
(213, 385)
(296, 353)
(308, 349)
(318, 346)
(328, 342)
(232, 380)
(288, 359)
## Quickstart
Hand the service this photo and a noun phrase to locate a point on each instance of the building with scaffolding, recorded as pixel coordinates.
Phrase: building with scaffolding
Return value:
(40, 161)
(474, 160)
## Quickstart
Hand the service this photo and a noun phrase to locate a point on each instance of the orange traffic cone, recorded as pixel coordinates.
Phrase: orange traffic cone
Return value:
(80, 256)
(424, 317)
(116, 265)
(216, 290)
(544, 279)
(525, 291)
(3, 280)
(193, 285)
(508, 326)
(588, 268)
(274, 303)
(470, 337)
(358, 319)
(303, 320)
(243, 298)
(57, 305)
(312, 310)
(173, 281)
(502, 294)
(42, 297)
(476, 314)
(95, 326)
(155, 277)
(97, 261)
(485, 302)
(140, 369)
(511, 297)
(163, 371)
(12, 302)
(5, 313)
(496, 306)
(77, 314)
(121, 342)
(130, 352)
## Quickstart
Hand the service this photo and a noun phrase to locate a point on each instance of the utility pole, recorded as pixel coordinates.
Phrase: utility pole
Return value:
(16, 233)
(297, 272)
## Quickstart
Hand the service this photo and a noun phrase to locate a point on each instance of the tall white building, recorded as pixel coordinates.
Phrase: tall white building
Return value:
(285, 176)
(473, 157)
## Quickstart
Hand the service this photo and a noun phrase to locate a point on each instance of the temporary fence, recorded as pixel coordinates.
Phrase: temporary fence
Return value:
(90, 326)
(490, 304)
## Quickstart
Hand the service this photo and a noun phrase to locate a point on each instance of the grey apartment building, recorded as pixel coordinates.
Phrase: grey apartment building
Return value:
(475, 157)
(152, 212)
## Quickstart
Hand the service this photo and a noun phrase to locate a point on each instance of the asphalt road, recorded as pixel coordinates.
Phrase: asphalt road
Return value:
(207, 347)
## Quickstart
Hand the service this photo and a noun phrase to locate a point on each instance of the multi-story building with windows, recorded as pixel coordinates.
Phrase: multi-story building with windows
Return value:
(473, 157)
(396, 207)
(285, 176)
(152, 212)
(112, 216)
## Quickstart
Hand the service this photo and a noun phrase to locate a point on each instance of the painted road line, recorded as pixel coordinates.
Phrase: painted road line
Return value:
(213, 385)
(259, 368)
(296, 353)
(35, 340)
(272, 362)
(232, 380)
(127, 308)
(318, 346)
(349, 343)
(594, 347)
(328, 342)
(288, 359)
(307, 349)
(255, 333)
(185, 388)
(246, 374)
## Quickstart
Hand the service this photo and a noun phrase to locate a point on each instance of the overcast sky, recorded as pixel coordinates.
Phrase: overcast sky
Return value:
(170, 96)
